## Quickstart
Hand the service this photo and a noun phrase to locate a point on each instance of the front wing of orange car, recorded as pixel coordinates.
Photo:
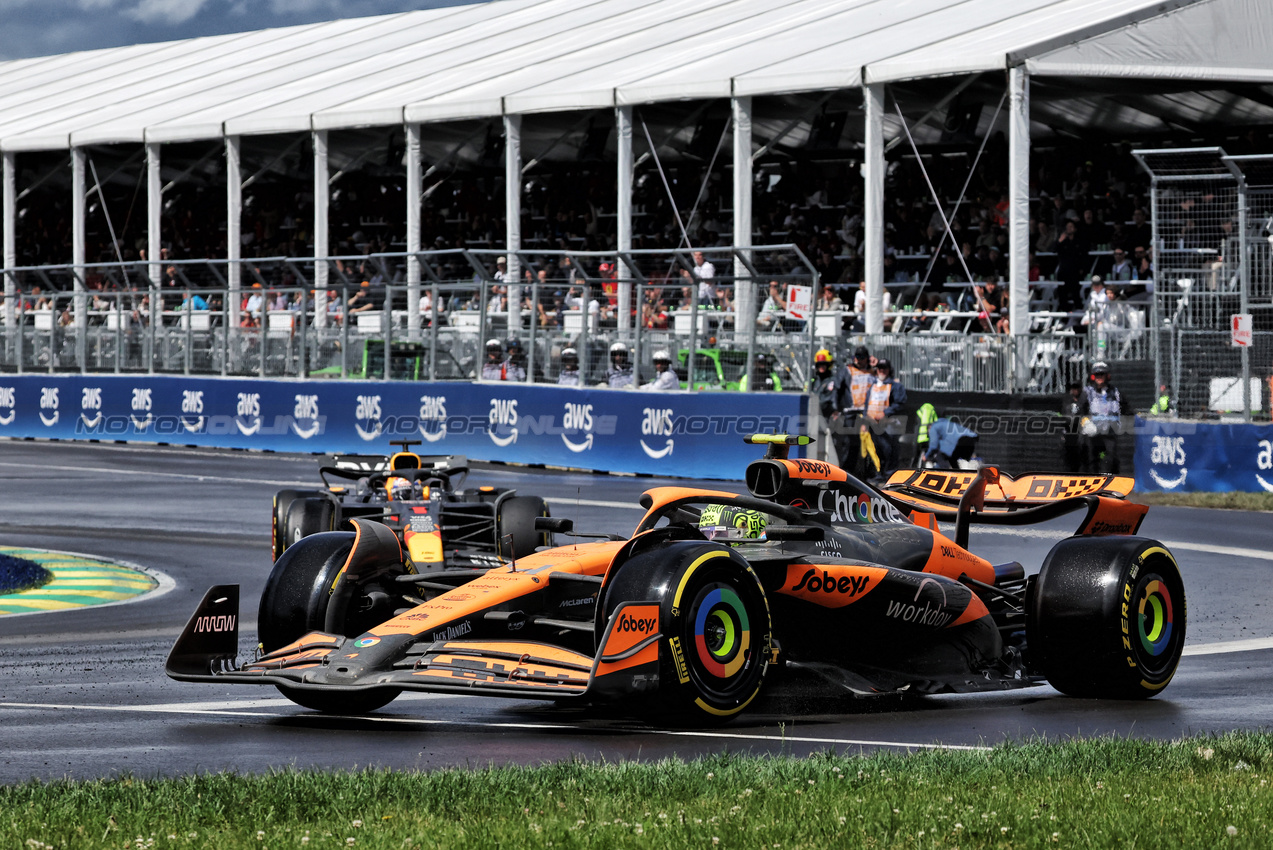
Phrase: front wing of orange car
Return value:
(628, 662)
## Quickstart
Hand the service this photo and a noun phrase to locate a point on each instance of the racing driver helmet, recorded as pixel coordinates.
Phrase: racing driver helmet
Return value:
(397, 488)
(729, 522)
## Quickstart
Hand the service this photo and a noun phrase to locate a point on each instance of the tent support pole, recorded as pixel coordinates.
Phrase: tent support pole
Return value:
(1019, 216)
(233, 236)
(154, 214)
(874, 207)
(10, 214)
(322, 199)
(623, 212)
(744, 286)
(414, 182)
(78, 229)
(513, 222)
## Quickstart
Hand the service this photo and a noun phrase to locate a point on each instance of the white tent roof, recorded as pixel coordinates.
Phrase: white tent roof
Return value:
(516, 56)
(1223, 40)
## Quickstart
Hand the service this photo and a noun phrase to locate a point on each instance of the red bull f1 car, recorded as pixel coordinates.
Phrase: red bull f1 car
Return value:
(717, 596)
(422, 498)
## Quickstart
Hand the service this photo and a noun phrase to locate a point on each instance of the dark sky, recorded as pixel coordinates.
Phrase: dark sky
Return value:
(42, 27)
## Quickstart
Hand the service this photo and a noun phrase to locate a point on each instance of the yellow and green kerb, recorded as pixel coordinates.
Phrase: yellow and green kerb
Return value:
(77, 581)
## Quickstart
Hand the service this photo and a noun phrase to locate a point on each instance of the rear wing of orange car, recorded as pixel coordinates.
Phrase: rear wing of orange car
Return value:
(990, 496)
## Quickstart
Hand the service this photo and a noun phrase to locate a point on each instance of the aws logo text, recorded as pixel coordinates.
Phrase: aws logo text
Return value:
(433, 409)
(306, 410)
(367, 409)
(1169, 451)
(578, 417)
(48, 401)
(503, 416)
(8, 401)
(143, 402)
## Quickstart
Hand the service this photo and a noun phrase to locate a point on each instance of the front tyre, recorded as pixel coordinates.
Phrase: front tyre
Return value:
(341, 702)
(715, 625)
(516, 520)
(1106, 617)
(282, 504)
(294, 603)
(309, 515)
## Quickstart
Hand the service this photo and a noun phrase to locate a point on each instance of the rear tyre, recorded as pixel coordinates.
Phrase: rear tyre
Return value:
(282, 504)
(1106, 617)
(516, 516)
(716, 627)
(309, 515)
(294, 604)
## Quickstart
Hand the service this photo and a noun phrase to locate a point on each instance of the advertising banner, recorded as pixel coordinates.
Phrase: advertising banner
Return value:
(671, 433)
(1184, 457)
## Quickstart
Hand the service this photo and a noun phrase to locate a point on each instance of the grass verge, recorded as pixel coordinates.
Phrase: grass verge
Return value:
(1229, 501)
(1198, 793)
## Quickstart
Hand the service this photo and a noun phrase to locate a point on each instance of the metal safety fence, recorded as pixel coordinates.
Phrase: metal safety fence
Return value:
(1212, 219)
(723, 319)
(1203, 374)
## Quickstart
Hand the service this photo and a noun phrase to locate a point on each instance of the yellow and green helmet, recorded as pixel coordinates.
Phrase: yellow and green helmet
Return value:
(732, 522)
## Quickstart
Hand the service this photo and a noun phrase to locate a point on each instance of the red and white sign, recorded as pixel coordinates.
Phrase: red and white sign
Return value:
(799, 301)
(1241, 330)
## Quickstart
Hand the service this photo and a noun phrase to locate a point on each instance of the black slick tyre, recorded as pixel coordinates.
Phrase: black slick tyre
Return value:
(309, 515)
(516, 516)
(282, 504)
(294, 603)
(1106, 617)
(715, 625)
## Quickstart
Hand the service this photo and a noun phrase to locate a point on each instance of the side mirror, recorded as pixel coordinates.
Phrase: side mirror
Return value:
(556, 525)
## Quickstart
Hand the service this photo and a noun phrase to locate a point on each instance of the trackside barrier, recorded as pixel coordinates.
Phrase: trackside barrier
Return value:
(680, 434)
(1183, 457)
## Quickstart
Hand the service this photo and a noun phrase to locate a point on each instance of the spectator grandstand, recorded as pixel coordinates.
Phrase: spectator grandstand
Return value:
(150, 208)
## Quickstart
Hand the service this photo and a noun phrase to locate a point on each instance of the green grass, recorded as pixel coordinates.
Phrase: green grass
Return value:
(1196, 793)
(1229, 501)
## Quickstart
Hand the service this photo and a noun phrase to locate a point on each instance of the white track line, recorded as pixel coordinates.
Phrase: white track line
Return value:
(150, 473)
(1230, 646)
(1210, 548)
(186, 476)
(200, 709)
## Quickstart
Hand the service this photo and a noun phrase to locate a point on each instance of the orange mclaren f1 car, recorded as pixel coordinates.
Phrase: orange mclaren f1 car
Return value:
(718, 595)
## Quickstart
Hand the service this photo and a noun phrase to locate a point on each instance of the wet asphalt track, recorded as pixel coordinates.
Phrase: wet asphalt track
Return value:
(83, 694)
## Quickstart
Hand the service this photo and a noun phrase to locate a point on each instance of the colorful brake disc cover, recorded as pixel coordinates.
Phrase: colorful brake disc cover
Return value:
(722, 631)
(1154, 616)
